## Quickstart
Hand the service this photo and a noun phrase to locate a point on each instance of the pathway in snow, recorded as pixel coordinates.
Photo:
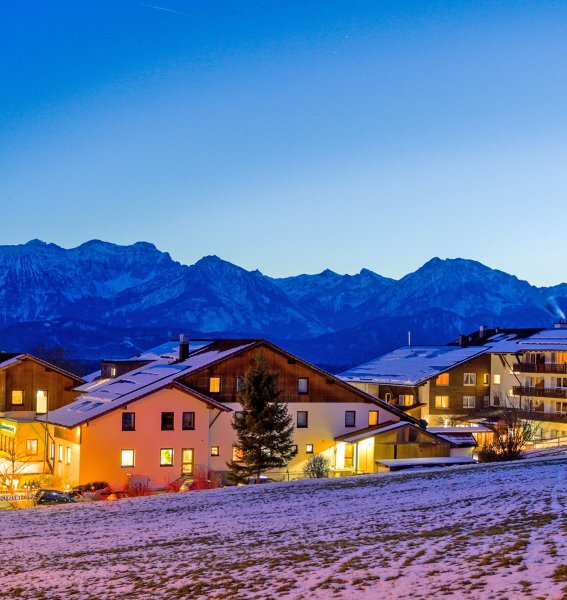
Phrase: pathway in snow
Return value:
(490, 532)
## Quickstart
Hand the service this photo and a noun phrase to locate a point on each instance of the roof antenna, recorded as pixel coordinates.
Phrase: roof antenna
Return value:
(409, 338)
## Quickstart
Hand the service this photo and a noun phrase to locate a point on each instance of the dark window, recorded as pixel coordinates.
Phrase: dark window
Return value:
(303, 385)
(167, 421)
(128, 421)
(239, 384)
(302, 420)
(350, 418)
(188, 420)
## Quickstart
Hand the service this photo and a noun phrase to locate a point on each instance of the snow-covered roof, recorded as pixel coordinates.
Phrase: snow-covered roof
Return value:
(548, 339)
(460, 440)
(106, 395)
(411, 365)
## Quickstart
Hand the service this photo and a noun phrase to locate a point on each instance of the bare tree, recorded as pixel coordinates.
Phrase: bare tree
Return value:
(14, 458)
(513, 428)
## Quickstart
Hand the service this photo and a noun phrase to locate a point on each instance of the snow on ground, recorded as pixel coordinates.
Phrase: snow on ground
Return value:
(490, 532)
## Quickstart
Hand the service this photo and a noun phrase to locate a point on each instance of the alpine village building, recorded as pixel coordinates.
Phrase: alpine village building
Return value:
(165, 413)
(458, 386)
(29, 387)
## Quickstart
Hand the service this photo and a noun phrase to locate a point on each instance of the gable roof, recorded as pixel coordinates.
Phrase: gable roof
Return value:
(13, 359)
(411, 365)
(107, 395)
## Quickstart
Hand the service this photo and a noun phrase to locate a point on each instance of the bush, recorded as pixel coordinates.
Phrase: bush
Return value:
(491, 453)
(317, 466)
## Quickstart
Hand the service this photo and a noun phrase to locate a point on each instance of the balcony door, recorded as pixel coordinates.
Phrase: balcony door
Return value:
(187, 461)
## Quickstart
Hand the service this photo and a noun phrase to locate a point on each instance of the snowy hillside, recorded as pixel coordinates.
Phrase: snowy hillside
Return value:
(491, 532)
(100, 297)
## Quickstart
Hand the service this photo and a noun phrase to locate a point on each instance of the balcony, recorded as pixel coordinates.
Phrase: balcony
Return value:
(532, 367)
(540, 392)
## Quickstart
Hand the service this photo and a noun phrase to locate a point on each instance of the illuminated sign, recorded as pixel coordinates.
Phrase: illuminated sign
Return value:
(6, 427)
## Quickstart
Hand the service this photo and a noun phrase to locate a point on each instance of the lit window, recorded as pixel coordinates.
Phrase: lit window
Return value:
(303, 385)
(52, 451)
(127, 458)
(60, 453)
(68, 455)
(388, 397)
(302, 419)
(469, 401)
(485, 378)
(31, 447)
(166, 457)
(237, 454)
(309, 449)
(41, 402)
(350, 418)
(372, 417)
(215, 451)
(496, 379)
(214, 385)
(17, 397)
(187, 461)
(167, 421)
(128, 421)
(469, 379)
(441, 401)
(113, 371)
(239, 385)
(442, 379)
(405, 400)
(188, 420)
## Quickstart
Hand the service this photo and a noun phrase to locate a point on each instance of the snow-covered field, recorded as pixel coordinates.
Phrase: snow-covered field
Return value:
(485, 532)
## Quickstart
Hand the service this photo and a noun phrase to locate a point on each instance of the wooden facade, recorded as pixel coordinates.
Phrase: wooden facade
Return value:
(292, 372)
(28, 376)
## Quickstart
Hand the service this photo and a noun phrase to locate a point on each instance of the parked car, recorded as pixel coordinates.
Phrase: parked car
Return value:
(52, 497)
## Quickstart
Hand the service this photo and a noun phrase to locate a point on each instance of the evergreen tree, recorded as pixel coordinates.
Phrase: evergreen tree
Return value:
(264, 428)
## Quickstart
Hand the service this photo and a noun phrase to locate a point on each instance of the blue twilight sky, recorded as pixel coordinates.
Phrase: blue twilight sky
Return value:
(290, 136)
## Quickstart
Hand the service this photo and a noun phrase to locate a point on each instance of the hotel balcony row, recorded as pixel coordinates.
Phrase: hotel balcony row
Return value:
(540, 392)
(537, 367)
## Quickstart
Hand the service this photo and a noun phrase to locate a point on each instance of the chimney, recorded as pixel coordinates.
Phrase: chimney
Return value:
(462, 340)
(561, 324)
(481, 330)
(183, 347)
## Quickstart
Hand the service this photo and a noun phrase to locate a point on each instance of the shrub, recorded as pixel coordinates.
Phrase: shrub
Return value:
(317, 466)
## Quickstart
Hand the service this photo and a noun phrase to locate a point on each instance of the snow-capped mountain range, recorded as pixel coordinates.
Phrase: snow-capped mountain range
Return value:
(102, 299)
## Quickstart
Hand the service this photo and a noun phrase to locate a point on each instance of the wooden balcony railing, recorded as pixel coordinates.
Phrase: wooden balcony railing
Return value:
(540, 392)
(532, 367)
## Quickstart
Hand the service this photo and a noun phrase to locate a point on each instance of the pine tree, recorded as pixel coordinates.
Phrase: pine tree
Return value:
(264, 427)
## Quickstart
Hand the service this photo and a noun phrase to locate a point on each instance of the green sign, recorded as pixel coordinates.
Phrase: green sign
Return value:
(6, 427)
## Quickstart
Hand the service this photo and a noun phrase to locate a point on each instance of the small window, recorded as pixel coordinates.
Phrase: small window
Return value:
(388, 397)
(52, 451)
(188, 420)
(302, 419)
(303, 385)
(68, 455)
(350, 418)
(496, 379)
(469, 379)
(167, 421)
(113, 371)
(372, 417)
(486, 379)
(441, 401)
(31, 447)
(442, 379)
(166, 457)
(128, 421)
(214, 385)
(237, 454)
(239, 384)
(41, 402)
(469, 401)
(127, 458)
(309, 449)
(215, 451)
(17, 397)
(405, 400)
(60, 453)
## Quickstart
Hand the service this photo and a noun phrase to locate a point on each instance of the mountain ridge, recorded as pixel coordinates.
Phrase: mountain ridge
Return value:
(101, 297)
